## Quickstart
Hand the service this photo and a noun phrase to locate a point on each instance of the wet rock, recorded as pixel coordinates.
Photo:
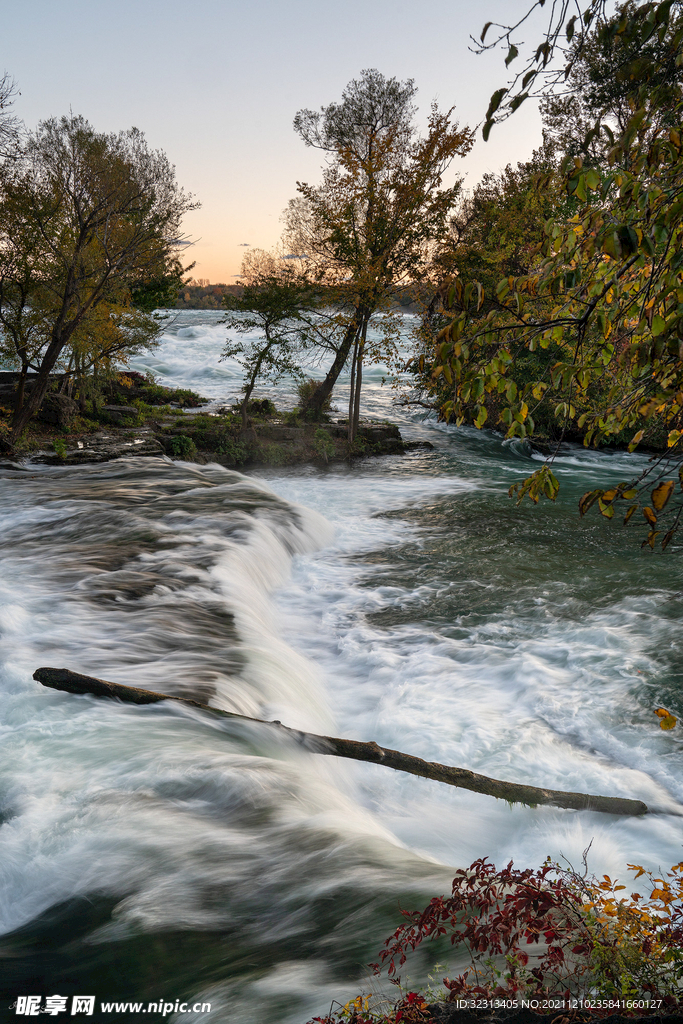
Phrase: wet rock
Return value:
(416, 446)
(58, 409)
(118, 413)
(379, 431)
(101, 449)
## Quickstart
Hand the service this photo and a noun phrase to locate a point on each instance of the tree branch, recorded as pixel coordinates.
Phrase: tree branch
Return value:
(74, 682)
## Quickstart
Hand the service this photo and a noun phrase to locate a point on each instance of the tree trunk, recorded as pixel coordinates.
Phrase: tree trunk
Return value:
(359, 375)
(21, 389)
(314, 404)
(352, 392)
(39, 388)
(74, 682)
(359, 381)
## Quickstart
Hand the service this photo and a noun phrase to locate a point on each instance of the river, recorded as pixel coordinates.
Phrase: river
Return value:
(148, 853)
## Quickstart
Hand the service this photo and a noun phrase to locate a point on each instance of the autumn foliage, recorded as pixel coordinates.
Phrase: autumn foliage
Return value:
(540, 933)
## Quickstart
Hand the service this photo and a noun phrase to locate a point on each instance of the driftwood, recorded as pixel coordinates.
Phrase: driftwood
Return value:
(73, 682)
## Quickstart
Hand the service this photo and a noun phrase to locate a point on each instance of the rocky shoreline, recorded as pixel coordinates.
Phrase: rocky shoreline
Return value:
(269, 444)
(138, 417)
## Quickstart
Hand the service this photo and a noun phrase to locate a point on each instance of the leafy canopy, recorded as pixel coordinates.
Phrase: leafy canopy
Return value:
(605, 293)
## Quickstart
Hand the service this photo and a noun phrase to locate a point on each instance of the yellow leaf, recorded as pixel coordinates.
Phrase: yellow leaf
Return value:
(635, 440)
(649, 515)
(661, 494)
(666, 719)
(629, 513)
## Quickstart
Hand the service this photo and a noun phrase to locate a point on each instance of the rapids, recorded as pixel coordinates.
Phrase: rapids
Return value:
(149, 853)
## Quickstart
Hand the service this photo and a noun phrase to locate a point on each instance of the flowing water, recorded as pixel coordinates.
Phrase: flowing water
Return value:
(149, 853)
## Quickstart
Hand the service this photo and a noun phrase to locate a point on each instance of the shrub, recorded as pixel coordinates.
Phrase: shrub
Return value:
(541, 934)
(261, 407)
(323, 444)
(273, 454)
(60, 448)
(306, 388)
(236, 451)
(588, 940)
(182, 446)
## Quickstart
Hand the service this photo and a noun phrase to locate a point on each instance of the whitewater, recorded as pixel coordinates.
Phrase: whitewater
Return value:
(149, 852)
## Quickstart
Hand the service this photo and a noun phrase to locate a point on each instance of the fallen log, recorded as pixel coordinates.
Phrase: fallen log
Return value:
(74, 682)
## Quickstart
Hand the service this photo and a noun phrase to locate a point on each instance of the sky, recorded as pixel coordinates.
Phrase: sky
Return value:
(216, 86)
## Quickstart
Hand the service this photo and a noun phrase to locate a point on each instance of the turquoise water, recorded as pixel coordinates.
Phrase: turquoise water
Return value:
(146, 853)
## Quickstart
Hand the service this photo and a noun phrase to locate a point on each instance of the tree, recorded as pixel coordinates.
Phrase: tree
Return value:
(10, 125)
(160, 291)
(85, 218)
(602, 86)
(606, 290)
(371, 223)
(279, 303)
(496, 232)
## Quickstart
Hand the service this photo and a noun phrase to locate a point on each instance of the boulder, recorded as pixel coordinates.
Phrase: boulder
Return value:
(117, 413)
(58, 409)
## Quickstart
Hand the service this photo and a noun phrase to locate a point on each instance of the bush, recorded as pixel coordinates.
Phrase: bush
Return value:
(236, 451)
(542, 934)
(273, 454)
(261, 407)
(323, 444)
(307, 388)
(595, 942)
(60, 448)
(183, 447)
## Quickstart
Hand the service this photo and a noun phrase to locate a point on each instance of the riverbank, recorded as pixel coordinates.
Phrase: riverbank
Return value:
(137, 417)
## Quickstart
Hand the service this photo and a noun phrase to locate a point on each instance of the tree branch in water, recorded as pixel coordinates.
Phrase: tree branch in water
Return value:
(74, 682)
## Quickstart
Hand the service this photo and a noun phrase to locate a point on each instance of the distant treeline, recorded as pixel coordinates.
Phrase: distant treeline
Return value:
(202, 295)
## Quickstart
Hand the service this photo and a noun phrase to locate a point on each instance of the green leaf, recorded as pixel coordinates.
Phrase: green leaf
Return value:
(495, 102)
(518, 100)
(611, 245)
(658, 325)
(512, 53)
(593, 180)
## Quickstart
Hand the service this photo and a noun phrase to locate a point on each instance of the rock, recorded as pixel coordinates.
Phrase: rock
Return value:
(58, 409)
(101, 449)
(117, 413)
(104, 450)
(378, 431)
